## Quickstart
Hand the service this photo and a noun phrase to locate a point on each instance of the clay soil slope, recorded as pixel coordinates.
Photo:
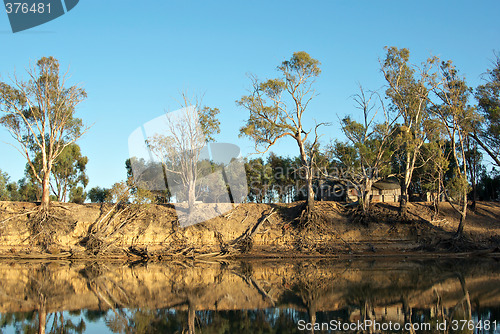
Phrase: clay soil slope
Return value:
(152, 232)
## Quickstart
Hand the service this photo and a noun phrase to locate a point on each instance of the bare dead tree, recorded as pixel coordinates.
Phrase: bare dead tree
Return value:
(180, 148)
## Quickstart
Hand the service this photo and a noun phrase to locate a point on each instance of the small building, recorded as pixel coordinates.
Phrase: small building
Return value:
(386, 191)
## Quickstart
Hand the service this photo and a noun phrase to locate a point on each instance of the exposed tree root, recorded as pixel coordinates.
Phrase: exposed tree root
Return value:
(101, 237)
(42, 226)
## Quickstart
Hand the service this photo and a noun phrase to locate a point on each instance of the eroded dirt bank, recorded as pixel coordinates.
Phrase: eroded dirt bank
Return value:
(152, 232)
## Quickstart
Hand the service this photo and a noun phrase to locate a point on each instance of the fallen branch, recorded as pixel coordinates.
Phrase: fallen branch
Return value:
(244, 242)
(18, 215)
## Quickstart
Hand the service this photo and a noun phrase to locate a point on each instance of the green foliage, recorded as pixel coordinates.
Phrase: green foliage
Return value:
(283, 177)
(434, 161)
(77, 195)
(278, 179)
(29, 191)
(180, 151)
(99, 195)
(489, 186)
(209, 122)
(13, 190)
(273, 115)
(25, 190)
(276, 108)
(488, 97)
(257, 180)
(4, 191)
(119, 193)
(457, 185)
(68, 172)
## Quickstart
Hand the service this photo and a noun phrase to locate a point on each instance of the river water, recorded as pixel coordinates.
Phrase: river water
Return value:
(391, 295)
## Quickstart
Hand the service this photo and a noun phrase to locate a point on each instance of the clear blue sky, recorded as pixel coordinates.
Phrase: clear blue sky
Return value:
(134, 57)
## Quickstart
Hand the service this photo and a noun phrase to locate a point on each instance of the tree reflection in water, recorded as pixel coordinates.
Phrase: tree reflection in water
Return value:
(243, 297)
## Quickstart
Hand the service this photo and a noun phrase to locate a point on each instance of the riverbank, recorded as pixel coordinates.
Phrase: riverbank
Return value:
(152, 232)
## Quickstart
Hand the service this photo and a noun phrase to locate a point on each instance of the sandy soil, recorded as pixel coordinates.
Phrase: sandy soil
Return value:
(152, 232)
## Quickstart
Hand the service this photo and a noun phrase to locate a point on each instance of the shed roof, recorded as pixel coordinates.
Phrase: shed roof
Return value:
(386, 185)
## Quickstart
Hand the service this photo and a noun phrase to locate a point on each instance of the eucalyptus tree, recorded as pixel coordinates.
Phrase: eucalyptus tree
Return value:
(276, 110)
(488, 96)
(434, 164)
(367, 153)
(459, 119)
(39, 113)
(408, 90)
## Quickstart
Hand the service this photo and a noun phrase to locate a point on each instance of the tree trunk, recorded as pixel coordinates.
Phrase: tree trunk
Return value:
(311, 311)
(191, 317)
(310, 194)
(437, 198)
(46, 191)
(191, 195)
(474, 196)
(403, 201)
(463, 214)
(474, 189)
(42, 318)
(366, 197)
(409, 168)
(309, 177)
(465, 291)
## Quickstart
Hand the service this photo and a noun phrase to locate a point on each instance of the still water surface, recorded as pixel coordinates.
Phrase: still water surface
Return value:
(459, 295)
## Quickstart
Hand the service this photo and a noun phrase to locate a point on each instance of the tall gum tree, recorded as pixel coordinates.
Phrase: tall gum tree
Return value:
(39, 113)
(408, 90)
(277, 108)
(459, 120)
(488, 97)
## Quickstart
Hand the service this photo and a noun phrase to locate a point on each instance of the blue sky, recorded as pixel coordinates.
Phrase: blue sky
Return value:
(135, 57)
